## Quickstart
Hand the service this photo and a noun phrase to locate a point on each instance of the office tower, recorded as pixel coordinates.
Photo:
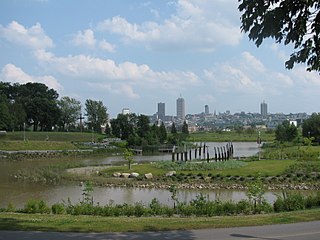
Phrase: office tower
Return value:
(181, 108)
(206, 109)
(161, 111)
(264, 109)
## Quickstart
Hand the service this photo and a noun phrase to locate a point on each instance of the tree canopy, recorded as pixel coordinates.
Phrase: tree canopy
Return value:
(286, 132)
(311, 127)
(294, 22)
(96, 113)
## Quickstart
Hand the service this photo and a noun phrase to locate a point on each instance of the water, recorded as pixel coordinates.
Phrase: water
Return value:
(19, 193)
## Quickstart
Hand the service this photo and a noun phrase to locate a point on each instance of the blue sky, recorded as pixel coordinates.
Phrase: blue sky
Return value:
(130, 53)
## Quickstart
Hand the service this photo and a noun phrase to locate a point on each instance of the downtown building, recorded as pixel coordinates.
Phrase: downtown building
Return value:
(181, 108)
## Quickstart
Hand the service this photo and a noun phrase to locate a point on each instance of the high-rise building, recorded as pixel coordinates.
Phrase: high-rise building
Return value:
(181, 108)
(161, 111)
(264, 109)
(206, 109)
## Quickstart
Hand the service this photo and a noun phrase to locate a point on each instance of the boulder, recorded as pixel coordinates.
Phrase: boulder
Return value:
(116, 174)
(171, 173)
(125, 175)
(134, 175)
(148, 176)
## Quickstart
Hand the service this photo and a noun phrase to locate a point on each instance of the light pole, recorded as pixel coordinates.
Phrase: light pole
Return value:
(24, 132)
(92, 133)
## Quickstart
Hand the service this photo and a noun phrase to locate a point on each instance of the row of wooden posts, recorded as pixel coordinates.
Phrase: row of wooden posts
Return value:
(201, 152)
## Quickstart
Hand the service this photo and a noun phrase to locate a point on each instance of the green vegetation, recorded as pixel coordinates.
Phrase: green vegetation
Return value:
(64, 223)
(51, 136)
(287, 22)
(98, 217)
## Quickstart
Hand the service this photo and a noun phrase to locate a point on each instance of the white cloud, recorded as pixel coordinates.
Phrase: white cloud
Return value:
(13, 74)
(86, 38)
(252, 62)
(194, 27)
(33, 37)
(106, 72)
(284, 80)
(104, 45)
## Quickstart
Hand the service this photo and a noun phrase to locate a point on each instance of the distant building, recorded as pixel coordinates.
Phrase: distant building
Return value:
(181, 108)
(161, 111)
(125, 111)
(206, 109)
(264, 109)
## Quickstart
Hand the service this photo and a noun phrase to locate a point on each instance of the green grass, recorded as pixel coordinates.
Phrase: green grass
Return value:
(52, 136)
(64, 223)
(255, 168)
(14, 141)
(36, 145)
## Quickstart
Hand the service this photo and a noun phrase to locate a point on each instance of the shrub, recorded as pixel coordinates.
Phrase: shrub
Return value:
(243, 207)
(36, 206)
(58, 208)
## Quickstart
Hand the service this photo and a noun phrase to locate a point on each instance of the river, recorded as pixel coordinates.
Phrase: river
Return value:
(18, 193)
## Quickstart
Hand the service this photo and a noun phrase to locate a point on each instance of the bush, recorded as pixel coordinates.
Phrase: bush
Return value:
(36, 206)
(289, 202)
(58, 208)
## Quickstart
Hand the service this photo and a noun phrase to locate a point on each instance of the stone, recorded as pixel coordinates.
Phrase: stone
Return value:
(117, 174)
(125, 175)
(134, 175)
(171, 173)
(148, 176)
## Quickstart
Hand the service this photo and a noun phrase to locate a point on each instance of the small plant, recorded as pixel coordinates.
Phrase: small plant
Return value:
(87, 193)
(128, 156)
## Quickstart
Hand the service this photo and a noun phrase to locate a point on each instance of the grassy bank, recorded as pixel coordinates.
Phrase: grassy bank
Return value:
(35, 222)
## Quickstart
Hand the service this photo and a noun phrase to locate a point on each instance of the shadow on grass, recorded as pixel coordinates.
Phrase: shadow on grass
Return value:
(16, 230)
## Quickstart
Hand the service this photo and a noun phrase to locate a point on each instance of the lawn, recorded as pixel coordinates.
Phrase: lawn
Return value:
(43, 222)
(255, 168)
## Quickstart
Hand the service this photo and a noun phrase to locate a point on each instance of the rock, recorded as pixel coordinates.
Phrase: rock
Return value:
(125, 175)
(117, 174)
(148, 176)
(171, 173)
(134, 175)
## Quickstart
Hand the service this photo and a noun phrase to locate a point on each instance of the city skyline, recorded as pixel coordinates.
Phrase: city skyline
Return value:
(134, 54)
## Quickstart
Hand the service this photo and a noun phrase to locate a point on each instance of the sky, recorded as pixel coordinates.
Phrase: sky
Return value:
(136, 53)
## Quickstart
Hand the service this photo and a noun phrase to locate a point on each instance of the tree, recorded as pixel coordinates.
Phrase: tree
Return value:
(40, 104)
(123, 126)
(286, 132)
(311, 127)
(185, 128)
(128, 156)
(173, 128)
(4, 113)
(70, 109)
(287, 21)
(18, 115)
(96, 113)
(143, 126)
(162, 133)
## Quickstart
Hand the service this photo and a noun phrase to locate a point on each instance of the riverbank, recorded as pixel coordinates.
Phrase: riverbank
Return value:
(68, 223)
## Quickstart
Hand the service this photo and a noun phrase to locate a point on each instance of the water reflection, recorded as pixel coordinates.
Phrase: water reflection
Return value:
(18, 193)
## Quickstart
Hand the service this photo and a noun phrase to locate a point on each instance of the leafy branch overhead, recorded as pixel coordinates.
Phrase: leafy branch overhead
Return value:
(294, 22)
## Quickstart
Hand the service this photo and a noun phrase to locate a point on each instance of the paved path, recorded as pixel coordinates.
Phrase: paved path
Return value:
(297, 231)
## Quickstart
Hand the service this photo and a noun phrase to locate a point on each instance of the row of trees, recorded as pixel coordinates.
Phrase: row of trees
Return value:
(287, 132)
(35, 105)
(137, 130)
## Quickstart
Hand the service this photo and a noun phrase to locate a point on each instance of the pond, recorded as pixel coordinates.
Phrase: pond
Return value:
(18, 193)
